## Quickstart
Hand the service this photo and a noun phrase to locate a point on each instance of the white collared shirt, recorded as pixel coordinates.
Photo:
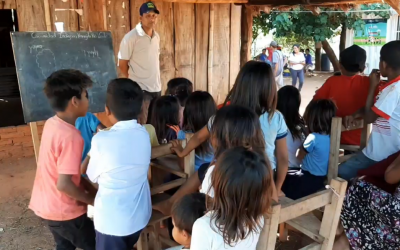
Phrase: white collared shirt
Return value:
(143, 53)
(119, 162)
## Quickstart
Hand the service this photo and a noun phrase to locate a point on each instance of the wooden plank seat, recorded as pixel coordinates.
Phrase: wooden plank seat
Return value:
(298, 214)
(162, 159)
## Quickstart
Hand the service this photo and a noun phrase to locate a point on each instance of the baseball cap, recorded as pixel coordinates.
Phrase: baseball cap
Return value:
(148, 7)
(353, 58)
(274, 44)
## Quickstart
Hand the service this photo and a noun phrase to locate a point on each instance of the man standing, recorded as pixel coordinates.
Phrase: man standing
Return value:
(139, 52)
(277, 64)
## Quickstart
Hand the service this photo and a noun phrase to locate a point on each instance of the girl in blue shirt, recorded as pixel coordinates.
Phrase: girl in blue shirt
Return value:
(200, 106)
(314, 153)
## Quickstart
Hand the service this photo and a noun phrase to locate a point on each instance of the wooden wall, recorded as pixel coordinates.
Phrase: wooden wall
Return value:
(198, 41)
(184, 29)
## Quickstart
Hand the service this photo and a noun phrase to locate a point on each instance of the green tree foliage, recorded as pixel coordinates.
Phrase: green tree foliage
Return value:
(304, 26)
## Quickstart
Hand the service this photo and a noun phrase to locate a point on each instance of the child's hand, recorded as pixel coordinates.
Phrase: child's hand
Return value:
(177, 148)
(349, 121)
(374, 78)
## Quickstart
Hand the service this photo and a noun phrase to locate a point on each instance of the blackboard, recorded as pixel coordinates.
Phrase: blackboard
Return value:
(38, 54)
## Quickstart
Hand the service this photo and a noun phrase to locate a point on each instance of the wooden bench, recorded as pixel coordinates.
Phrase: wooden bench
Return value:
(298, 214)
(335, 158)
(162, 159)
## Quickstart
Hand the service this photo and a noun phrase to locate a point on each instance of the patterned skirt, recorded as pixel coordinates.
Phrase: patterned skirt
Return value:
(371, 217)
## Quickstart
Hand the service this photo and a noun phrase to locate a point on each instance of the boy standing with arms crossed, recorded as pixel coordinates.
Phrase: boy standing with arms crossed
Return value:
(119, 162)
(57, 195)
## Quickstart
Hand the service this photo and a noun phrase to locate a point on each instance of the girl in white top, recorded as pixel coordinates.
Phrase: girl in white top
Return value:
(242, 180)
(289, 101)
(233, 126)
(297, 62)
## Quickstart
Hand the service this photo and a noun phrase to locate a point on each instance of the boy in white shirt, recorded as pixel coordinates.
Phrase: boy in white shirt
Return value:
(384, 114)
(120, 159)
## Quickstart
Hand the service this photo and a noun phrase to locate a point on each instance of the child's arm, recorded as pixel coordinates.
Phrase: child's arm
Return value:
(85, 164)
(198, 138)
(68, 187)
(366, 112)
(282, 162)
(302, 153)
(392, 174)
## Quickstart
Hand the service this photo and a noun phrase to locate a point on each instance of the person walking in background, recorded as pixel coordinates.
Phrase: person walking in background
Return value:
(297, 62)
(264, 57)
(309, 63)
(277, 64)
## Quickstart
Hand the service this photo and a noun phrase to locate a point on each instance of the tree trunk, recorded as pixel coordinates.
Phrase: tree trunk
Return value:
(342, 44)
(246, 35)
(317, 57)
(331, 55)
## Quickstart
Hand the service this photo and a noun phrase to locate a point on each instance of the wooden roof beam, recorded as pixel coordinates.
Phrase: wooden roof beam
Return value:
(285, 3)
(395, 4)
(314, 9)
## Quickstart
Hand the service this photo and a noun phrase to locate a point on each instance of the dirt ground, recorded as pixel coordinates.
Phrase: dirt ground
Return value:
(20, 229)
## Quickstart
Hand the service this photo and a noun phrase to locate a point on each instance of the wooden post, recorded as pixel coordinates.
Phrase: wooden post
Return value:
(267, 239)
(234, 57)
(202, 22)
(336, 130)
(246, 35)
(33, 125)
(332, 211)
(210, 50)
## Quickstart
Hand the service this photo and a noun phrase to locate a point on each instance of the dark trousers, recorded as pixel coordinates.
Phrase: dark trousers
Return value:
(109, 242)
(152, 94)
(72, 234)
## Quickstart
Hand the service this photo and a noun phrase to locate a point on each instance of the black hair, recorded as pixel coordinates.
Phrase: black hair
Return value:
(235, 126)
(187, 210)
(289, 100)
(200, 106)
(255, 88)
(319, 114)
(242, 182)
(181, 88)
(390, 54)
(124, 99)
(308, 50)
(353, 59)
(62, 85)
(165, 111)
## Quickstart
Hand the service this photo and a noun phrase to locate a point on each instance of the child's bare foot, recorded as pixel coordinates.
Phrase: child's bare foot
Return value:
(164, 207)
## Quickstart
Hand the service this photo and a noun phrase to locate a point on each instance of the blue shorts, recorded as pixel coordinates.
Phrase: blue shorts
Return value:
(109, 242)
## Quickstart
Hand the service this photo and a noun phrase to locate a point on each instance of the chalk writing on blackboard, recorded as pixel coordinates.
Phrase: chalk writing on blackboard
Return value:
(91, 53)
(35, 48)
(46, 61)
(69, 35)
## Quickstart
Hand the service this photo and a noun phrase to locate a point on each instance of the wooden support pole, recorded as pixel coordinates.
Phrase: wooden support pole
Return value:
(210, 50)
(33, 125)
(336, 130)
(247, 34)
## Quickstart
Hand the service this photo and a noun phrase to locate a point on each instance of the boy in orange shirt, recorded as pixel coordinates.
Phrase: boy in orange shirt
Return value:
(58, 196)
(349, 90)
